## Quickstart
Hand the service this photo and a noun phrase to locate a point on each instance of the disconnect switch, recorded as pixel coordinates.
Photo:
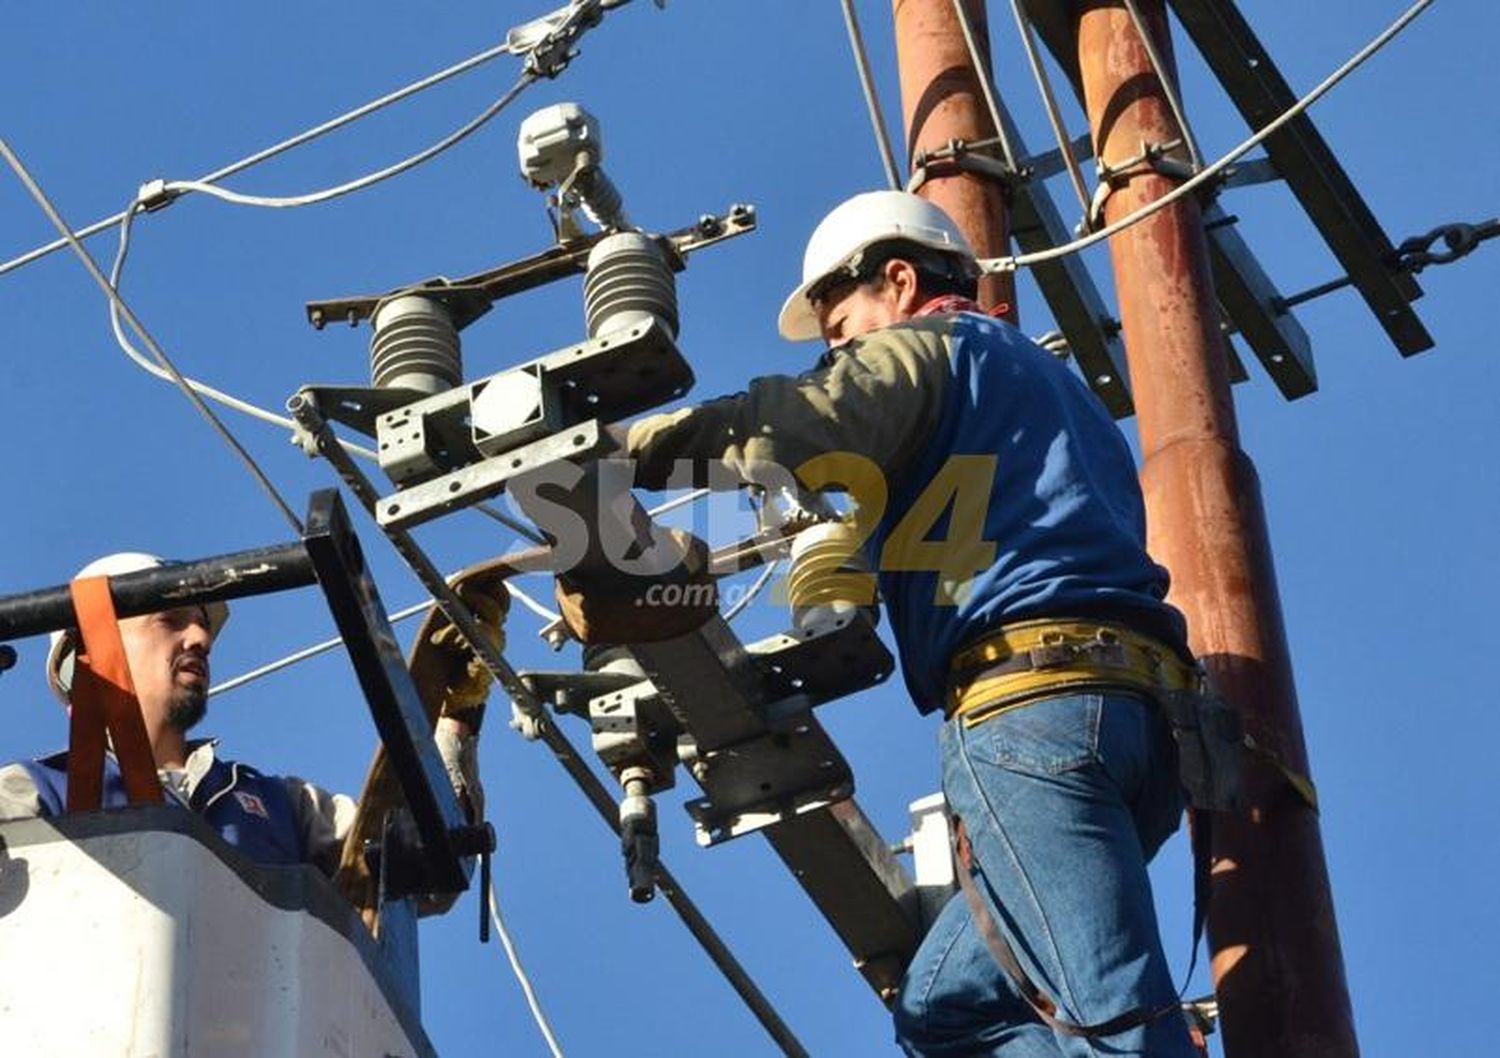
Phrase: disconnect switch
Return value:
(511, 409)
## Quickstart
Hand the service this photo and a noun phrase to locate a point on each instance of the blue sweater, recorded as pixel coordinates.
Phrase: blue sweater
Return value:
(1064, 514)
(996, 474)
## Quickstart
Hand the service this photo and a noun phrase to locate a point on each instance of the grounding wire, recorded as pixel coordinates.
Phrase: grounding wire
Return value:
(176, 187)
(1010, 264)
(986, 83)
(117, 304)
(867, 83)
(506, 942)
(1168, 83)
(306, 136)
(1049, 100)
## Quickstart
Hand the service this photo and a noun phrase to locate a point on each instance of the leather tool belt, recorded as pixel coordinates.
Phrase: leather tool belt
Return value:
(1021, 662)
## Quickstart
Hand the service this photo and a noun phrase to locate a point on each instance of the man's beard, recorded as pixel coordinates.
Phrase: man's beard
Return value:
(187, 708)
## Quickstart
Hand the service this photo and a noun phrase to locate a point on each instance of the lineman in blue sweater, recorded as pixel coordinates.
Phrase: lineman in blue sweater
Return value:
(273, 820)
(1009, 540)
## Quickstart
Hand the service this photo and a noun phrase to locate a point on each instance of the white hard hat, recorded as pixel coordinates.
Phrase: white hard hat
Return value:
(64, 643)
(855, 225)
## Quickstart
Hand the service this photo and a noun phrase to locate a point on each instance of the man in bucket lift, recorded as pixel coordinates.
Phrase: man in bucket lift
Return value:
(272, 820)
(1007, 527)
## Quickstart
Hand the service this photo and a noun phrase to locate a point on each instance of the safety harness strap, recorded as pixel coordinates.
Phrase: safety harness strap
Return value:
(103, 699)
(1201, 841)
(1005, 955)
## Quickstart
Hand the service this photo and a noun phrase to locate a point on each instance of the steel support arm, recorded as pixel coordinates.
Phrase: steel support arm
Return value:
(235, 576)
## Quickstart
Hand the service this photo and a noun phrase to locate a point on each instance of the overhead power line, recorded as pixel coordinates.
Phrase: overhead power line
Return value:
(229, 400)
(202, 389)
(291, 142)
(173, 188)
(1010, 264)
(117, 304)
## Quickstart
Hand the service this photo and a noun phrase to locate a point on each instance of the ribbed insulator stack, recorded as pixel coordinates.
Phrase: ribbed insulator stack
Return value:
(829, 575)
(629, 282)
(415, 346)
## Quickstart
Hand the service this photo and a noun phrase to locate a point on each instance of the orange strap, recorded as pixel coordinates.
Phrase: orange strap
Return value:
(103, 698)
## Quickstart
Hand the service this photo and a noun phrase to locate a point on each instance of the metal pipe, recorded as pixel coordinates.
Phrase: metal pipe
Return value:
(1276, 959)
(256, 572)
(872, 102)
(942, 101)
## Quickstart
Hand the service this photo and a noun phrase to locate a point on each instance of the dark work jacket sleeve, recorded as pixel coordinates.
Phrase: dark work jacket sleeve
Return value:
(876, 397)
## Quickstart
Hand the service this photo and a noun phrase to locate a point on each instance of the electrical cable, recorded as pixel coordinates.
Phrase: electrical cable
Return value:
(515, 525)
(306, 136)
(326, 645)
(117, 304)
(679, 501)
(305, 653)
(1049, 100)
(1010, 264)
(754, 590)
(191, 388)
(196, 386)
(986, 84)
(531, 604)
(506, 942)
(236, 403)
(1168, 85)
(867, 83)
(177, 187)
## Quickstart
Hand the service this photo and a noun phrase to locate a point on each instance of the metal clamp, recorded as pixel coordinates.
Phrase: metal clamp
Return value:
(959, 157)
(1153, 156)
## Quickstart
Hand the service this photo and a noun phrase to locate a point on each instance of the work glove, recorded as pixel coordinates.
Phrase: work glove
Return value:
(466, 679)
(459, 749)
(610, 606)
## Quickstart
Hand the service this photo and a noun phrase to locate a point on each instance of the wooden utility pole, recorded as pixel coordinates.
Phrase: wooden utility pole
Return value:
(1277, 965)
(942, 102)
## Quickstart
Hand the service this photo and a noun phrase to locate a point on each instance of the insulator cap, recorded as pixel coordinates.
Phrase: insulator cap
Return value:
(415, 346)
(628, 282)
(828, 574)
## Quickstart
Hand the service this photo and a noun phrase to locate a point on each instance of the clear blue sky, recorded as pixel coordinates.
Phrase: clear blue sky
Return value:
(1381, 489)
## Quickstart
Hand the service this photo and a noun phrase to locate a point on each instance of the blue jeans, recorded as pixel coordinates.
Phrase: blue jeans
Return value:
(1065, 800)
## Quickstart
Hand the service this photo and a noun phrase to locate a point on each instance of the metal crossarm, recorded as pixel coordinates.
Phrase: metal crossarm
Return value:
(1246, 294)
(1305, 161)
